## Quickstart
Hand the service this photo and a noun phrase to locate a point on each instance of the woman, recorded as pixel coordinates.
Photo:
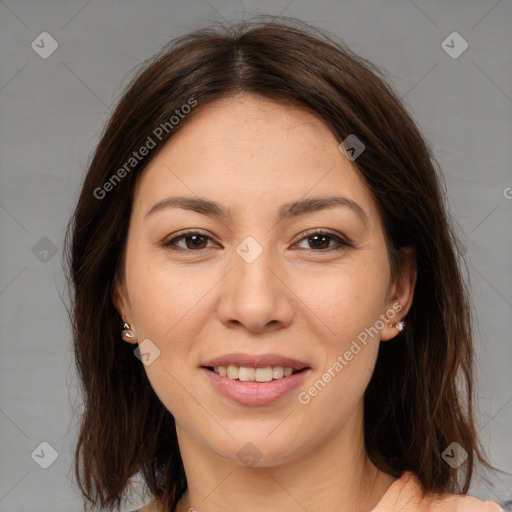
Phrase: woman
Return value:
(269, 312)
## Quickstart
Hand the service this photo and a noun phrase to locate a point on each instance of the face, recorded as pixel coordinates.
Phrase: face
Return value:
(246, 278)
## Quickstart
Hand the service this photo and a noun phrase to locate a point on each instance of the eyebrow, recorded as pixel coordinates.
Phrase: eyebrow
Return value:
(286, 210)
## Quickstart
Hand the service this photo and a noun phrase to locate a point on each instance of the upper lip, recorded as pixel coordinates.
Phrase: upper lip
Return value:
(256, 361)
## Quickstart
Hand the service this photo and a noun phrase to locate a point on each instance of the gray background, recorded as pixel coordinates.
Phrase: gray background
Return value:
(52, 112)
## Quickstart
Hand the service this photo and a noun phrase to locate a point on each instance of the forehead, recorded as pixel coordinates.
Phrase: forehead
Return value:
(248, 121)
(248, 151)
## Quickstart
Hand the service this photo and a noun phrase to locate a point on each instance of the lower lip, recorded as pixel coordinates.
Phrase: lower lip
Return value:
(255, 393)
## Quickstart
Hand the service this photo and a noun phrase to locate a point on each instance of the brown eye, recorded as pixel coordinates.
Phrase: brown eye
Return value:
(320, 241)
(190, 241)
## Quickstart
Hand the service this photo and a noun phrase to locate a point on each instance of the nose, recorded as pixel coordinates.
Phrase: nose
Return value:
(256, 295)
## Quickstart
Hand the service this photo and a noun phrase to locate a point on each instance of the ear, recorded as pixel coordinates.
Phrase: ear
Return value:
(122, 304)
(401, 293)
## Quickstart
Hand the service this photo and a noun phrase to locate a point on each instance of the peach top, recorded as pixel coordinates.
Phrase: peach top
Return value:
(405, 495)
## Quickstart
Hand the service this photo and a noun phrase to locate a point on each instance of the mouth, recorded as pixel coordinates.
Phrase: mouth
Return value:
(255, 380)
(258, 368)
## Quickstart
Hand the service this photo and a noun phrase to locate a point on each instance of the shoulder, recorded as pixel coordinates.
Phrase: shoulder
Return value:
(407, 492)
(457, 503)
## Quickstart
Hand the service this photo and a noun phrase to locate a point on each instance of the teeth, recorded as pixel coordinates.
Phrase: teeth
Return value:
(246, 374)
(277, 372)
(263, 374)
(232, 372)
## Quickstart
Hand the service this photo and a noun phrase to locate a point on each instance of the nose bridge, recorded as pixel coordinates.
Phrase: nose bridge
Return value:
(252, 262)
(253, 294)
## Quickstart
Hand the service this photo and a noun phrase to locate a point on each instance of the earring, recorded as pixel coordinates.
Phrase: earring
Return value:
(400, 325)
(127, 333)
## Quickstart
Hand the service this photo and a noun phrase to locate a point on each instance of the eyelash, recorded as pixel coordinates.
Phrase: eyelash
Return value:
(342, 243)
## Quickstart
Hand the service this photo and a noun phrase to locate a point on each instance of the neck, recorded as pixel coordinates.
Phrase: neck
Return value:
(332, 475)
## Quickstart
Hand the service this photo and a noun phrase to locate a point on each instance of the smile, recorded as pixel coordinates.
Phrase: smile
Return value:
(254, 393)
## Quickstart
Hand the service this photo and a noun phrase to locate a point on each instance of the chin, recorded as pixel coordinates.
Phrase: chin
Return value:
(260, 446)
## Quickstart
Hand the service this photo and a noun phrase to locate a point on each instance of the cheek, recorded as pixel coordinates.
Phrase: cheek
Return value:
(166, 298)
(348, 304)
(346, 300)
(167, 301)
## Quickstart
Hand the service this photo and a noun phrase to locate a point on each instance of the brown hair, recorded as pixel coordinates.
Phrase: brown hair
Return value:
(420, 397)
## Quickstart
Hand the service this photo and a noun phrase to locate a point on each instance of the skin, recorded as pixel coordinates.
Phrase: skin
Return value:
(251, 155)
